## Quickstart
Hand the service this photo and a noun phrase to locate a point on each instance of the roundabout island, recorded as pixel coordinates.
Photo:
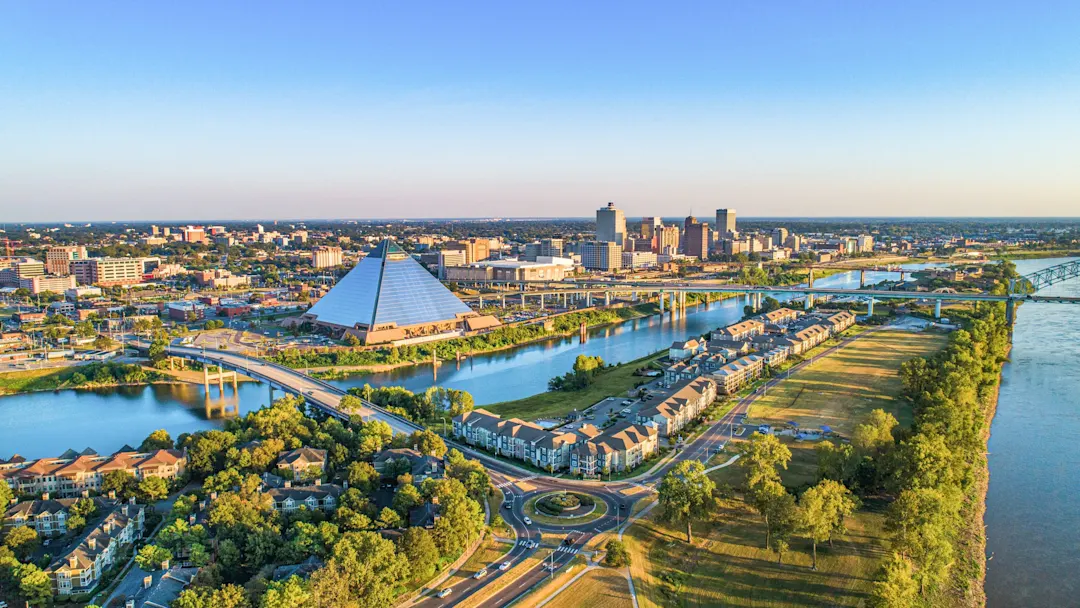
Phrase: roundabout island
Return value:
(565, 508)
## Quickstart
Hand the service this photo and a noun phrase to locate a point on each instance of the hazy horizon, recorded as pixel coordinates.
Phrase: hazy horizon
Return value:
(337, 110)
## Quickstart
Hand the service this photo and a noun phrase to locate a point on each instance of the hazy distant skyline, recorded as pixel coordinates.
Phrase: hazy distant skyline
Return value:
(152, 111)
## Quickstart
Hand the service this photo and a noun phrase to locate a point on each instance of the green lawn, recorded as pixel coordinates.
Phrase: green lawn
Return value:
(840, 390)
(727, 565)
(554, 404)
(34, 380)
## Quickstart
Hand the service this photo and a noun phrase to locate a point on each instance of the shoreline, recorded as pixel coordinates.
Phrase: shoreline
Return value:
(174, 380)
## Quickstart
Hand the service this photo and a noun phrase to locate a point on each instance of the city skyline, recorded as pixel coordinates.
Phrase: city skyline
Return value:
(163, 113)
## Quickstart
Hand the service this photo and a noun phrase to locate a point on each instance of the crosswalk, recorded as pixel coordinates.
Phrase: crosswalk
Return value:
(565, 549)
(511, 482)
(647, 488)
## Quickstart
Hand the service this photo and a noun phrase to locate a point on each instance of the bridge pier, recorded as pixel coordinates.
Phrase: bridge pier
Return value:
(219, 376)
(809, 302)
(607, 298)
(810, 278)
(588, 299)
(502, 301)
(862, 282)
(661, 304)
(541, 301)
(870, 308)
(1010, 313)
(937, 309)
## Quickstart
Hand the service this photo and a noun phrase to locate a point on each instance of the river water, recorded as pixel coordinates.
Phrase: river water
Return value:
(1033, 504)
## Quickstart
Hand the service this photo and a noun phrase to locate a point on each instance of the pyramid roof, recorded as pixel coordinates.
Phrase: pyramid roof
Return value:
(388, 286)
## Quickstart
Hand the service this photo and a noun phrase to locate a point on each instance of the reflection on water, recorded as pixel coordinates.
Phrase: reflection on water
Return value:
(42, 424)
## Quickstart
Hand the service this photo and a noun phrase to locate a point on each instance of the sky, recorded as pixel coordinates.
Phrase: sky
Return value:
(254, 110)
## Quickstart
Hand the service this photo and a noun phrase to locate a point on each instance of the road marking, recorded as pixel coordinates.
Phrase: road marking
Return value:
(565, 549)
(511, 482)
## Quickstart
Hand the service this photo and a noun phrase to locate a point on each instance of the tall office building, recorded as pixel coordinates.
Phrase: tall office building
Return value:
(779, 236)
(668, 241)
(725, 222)
(601, 255)
(650, 227)
(610, 225)
(687, 223)
(475, 249)
(697, 240)
(58, 259)
(552, 248)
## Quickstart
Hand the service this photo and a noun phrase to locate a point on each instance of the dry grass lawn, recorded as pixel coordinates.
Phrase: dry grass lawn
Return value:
(728, 566)
(598, 588)
(488, 555)
(840, 390)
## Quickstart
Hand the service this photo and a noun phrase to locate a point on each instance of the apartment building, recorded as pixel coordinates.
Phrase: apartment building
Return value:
(840, 321)
(58, 259)
(733, 376)
(685, 349)
(780, 316)
(41, 284)
(326, 257)
(619, 448)
(740, 331)
(47, 516)
(551, 450)
(73, 474)
(420, 466)
(320, 496)
(300, 460)
(79, 569)
(601, 255)
(685, 405)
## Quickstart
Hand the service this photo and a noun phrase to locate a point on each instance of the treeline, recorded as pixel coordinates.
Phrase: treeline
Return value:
(417, 407)
(503, 337)
(585, 371)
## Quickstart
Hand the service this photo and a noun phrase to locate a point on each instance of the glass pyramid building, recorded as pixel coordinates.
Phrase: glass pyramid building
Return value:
(389, 296)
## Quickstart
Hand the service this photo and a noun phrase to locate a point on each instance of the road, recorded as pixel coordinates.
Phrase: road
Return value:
(510, 478)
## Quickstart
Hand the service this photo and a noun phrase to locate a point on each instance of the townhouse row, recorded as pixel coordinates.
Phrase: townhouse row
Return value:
(79, 566)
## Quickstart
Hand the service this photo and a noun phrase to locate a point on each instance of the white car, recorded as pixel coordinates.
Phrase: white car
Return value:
(504, 566)
(528, 522)
(533, 544)
(444, 592)
(480, 574)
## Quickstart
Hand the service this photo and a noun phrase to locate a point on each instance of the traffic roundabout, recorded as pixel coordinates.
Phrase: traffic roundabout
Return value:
(564, 508)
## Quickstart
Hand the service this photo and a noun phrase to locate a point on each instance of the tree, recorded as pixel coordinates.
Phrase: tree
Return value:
(822, 513)
(290, 593)
(407, 498)
(388, 519)
(876, 434)
(761, 458)
(836, 462)
(5, 494)
(35, 586)
(428, 443)
(152, 489)
(103, 342)
(616, 554)
(118, 481)
(776, 506)
(363, 477)
(364, 571)
(22, 541)
(151, 557)
(895, 586)
(158, 440)
(419, 547)
(686, 493)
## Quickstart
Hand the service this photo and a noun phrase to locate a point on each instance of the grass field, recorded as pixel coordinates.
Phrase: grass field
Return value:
(598, 588)
(554, 404)
(841, 390)
(728, 565)
(545, 589)
(34, 380)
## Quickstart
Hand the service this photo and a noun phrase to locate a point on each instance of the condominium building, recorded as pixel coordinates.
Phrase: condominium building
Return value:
(58, 259)
(79, 570)
(617, 449)
(48, 516)
(685, 405)
(74, 473)
(326, 257)
(108, 271)
(601, 255)
(740, 331)
(733, 376)
(668, 242)
(611, 225)
(320, 496)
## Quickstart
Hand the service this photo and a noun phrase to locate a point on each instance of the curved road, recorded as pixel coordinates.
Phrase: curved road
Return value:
(507, 476)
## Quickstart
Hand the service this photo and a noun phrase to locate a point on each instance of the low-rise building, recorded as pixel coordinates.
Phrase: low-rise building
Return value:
(73, 474)
(78, 569)
(420, 466)
(733, 376)
(742, 331)
(780, 316)
(322, 496)
(685, 349)
(47, 516)
(301, 460)
(684, 405)
(617, 449)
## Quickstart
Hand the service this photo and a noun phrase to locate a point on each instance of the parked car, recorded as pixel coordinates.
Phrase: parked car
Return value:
(628, 402)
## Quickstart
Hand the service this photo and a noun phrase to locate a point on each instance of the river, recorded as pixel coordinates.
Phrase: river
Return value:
(1033, 504)
(1033, 509)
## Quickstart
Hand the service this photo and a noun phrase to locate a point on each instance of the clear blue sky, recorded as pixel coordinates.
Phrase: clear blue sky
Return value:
(170, 110)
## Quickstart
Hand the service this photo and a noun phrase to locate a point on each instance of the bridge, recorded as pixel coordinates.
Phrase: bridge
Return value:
(317, 393)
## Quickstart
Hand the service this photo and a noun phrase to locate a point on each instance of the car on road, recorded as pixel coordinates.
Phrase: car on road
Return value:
(622, 506)
(504, 566)
(508, 505)
(532, 544)
(444, 592)
(628, 402)
(480, 573)
(528, 522)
